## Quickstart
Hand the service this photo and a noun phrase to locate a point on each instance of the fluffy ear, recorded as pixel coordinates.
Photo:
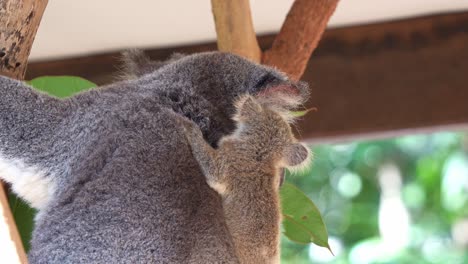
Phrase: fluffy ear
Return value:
(285, 96)
(247, 108)
(133, 60)
(136, 63)
(296, 155)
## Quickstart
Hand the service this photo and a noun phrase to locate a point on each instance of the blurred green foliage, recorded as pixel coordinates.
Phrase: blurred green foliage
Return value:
(24, 218)
(388, 201)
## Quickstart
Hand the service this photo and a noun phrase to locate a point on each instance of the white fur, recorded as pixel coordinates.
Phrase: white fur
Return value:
(29, 182)
(237, 133)
(218, 187)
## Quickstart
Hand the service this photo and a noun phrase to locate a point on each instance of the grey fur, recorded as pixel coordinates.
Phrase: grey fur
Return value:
(135, 63)
(245, 171)
(126, 186)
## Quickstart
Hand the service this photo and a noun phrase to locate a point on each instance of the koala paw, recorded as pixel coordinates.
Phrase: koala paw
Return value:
(191, 129)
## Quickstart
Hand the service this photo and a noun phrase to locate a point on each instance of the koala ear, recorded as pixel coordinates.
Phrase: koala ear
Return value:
(136, 63)
(296, 155)
(284, 96)
(247, 108)
(133, 60)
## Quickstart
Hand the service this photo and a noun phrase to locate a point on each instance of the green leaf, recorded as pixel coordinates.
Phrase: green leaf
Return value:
(302, 113)
(24, 218)
(61, 86)
(302, 221)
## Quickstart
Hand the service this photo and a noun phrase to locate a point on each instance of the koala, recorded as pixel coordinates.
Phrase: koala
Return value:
(110, 171)
(136, 63)
(245, 172)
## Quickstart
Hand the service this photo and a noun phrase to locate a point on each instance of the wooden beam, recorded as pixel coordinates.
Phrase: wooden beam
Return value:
(373, 80)
(390, 79)
(299, 36)
(234, 28)
(19, 21)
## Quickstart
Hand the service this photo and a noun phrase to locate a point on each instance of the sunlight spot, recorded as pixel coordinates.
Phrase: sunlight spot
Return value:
(349, 185)
(394, 219)
(367, 251)
(455, 182)
(341, 155)
(322, 255)
(432, 250)
(460, 233)
(413, 145)
(414, 195)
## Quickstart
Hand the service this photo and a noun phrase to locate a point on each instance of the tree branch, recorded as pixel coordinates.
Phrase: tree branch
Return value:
(13, 249)
(19, 20)
(234, 28)
(299, 36)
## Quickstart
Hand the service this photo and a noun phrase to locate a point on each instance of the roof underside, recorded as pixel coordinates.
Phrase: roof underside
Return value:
(74, 28)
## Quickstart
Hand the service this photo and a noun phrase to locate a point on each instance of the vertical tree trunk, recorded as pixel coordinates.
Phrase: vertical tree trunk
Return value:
(234, 28)
(293, 46)
(19, 21)
(12, 250)
(299, 36)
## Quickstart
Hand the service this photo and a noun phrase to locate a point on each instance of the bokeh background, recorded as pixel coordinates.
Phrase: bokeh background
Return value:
(401, 200)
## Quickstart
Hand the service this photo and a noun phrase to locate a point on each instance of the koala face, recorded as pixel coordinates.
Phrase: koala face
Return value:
(269, 134)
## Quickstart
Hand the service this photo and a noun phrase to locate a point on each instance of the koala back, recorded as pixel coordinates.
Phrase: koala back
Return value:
(124, 185)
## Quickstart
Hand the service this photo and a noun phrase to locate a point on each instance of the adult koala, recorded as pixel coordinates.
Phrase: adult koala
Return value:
(110, 170)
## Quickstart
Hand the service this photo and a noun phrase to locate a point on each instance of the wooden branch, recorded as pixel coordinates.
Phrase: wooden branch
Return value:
(234, 28)
(11, 240)
(19, 21)
(299, 36)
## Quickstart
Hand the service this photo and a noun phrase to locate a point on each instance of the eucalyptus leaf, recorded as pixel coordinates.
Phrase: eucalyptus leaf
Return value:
(303, 112)
(302, 221)
(61, 86)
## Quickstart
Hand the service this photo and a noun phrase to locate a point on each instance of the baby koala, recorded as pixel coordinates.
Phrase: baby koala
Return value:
(245, 171)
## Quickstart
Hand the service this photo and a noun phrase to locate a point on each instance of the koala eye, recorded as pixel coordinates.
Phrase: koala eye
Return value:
(264, 81)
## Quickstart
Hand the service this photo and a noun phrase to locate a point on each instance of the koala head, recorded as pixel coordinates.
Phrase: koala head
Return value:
(267, 133)
(217, 79)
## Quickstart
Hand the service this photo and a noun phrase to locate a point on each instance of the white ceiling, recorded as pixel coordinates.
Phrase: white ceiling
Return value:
(71, 27)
